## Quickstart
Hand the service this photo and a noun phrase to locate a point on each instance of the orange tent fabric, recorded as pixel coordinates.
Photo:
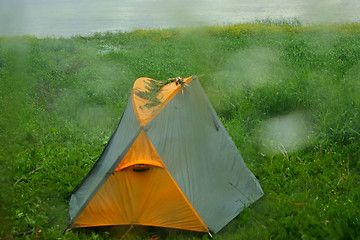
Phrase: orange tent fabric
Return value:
(140, 198)
(145, 114)
(141, 152)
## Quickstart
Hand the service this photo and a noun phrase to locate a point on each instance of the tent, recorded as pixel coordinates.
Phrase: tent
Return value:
(170, 163)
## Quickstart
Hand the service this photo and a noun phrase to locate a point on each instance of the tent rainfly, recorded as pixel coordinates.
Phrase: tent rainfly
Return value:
(170, 163)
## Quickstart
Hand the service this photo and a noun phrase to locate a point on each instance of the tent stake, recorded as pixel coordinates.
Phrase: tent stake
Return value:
(210, 235)
(127, 232)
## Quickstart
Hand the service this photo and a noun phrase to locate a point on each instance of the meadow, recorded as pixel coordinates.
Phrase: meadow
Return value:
(288, 94)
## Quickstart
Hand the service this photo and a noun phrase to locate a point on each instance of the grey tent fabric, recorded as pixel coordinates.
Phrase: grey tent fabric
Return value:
(118, 145)
(202, 158)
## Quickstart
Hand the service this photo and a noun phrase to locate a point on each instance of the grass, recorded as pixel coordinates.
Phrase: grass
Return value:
(289, 96)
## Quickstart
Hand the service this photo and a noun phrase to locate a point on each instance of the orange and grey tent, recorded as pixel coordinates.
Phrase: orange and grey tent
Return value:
(170, 163)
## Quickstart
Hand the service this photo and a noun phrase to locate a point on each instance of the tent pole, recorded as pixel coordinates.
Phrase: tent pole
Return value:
(127, 232)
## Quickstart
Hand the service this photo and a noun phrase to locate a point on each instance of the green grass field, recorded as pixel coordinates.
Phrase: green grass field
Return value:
(289, 96)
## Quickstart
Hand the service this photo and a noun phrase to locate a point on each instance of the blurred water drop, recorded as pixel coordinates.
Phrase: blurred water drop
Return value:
(253, 67)
(286, 133)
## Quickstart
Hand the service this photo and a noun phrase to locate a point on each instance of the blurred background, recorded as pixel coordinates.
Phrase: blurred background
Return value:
(66, 17)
